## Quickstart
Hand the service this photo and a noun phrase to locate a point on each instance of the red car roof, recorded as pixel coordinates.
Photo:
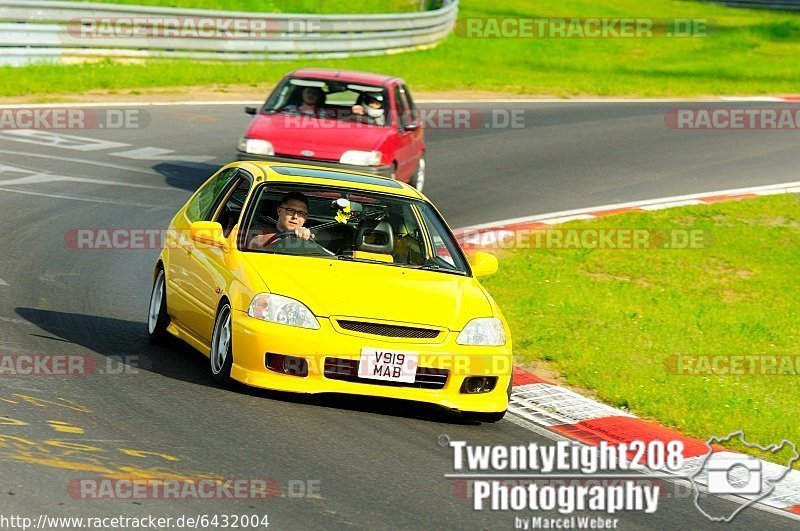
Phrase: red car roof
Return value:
(350, 76)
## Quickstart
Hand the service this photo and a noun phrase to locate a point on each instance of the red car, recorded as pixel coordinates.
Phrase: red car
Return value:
(348, 120)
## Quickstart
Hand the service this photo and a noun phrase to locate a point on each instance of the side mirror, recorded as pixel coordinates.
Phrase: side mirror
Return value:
(251, 110)
(208, 232)
(483, 264)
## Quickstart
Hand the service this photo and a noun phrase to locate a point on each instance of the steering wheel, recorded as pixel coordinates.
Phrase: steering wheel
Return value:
(281, 236)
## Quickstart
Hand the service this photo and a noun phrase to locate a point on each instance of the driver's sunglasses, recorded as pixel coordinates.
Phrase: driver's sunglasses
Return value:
(291, 212)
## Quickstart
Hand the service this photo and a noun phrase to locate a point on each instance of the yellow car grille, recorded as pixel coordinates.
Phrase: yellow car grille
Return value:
(386, 330)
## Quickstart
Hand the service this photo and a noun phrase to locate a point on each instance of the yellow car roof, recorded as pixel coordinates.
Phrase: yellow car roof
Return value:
(310, 174)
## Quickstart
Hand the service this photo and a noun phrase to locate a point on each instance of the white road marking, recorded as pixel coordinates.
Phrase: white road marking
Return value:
(424, 100)
(751, 98)
(52, 178)
(86, 199)
(15, 169)
(790, 190)
(54, 278)
(3, 282)
(564, 219)
(60, 140)
(671, 204)
(154, 153)
(758, 190)
(81, 161)
(130, 104)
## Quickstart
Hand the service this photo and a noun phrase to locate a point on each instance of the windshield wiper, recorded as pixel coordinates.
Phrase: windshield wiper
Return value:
(275, 111)
(354, 259)
(351, 258)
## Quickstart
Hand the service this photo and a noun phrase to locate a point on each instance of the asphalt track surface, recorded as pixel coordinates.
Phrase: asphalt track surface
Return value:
(376, 464)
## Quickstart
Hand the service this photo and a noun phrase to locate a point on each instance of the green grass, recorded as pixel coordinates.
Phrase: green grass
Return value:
(747, 52)
(610, 320)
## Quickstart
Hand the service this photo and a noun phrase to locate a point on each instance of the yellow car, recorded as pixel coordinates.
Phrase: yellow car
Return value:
(312, 280)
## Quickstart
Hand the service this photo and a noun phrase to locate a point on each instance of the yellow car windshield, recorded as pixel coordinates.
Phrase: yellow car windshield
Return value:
(349, 225)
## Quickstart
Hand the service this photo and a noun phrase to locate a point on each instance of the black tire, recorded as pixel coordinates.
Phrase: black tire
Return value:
(418, 179)
(158, 318)
(485, 417)
(221, 358)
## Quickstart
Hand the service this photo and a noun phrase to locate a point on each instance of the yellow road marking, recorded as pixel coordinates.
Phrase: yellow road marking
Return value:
(65, 427)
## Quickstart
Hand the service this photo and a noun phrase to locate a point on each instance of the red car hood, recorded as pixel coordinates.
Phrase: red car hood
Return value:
(290, 135)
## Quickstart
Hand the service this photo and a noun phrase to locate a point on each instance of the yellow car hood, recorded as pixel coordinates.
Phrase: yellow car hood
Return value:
(373, 291)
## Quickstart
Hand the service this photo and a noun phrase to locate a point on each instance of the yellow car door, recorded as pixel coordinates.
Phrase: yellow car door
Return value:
(208, 265)
(182, 306)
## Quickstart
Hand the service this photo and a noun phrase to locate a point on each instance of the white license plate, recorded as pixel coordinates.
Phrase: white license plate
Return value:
(388, 365)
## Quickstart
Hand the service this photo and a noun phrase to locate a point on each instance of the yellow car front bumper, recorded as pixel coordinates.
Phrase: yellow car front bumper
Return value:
(254, 338)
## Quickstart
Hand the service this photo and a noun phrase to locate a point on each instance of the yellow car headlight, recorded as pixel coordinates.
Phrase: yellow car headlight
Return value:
(282, 310)
(484, 331)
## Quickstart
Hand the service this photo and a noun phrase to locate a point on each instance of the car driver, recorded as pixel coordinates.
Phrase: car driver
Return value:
(292, 215)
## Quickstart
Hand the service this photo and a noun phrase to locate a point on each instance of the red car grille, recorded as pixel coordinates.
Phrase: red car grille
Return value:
(347, 370)
(377, 329)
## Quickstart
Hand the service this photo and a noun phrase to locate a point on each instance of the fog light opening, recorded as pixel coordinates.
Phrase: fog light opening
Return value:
(291, 365)
(478, 384)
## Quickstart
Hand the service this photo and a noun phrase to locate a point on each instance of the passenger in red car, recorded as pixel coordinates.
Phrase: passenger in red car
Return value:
(372, 107)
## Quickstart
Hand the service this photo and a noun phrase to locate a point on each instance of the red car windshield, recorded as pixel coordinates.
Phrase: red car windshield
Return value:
(334, 100)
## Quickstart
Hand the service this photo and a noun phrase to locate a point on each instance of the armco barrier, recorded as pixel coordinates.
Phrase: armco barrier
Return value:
(34, 31)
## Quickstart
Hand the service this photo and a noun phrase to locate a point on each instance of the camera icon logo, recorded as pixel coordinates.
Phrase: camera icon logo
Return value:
(729, 473)
(734, 474)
